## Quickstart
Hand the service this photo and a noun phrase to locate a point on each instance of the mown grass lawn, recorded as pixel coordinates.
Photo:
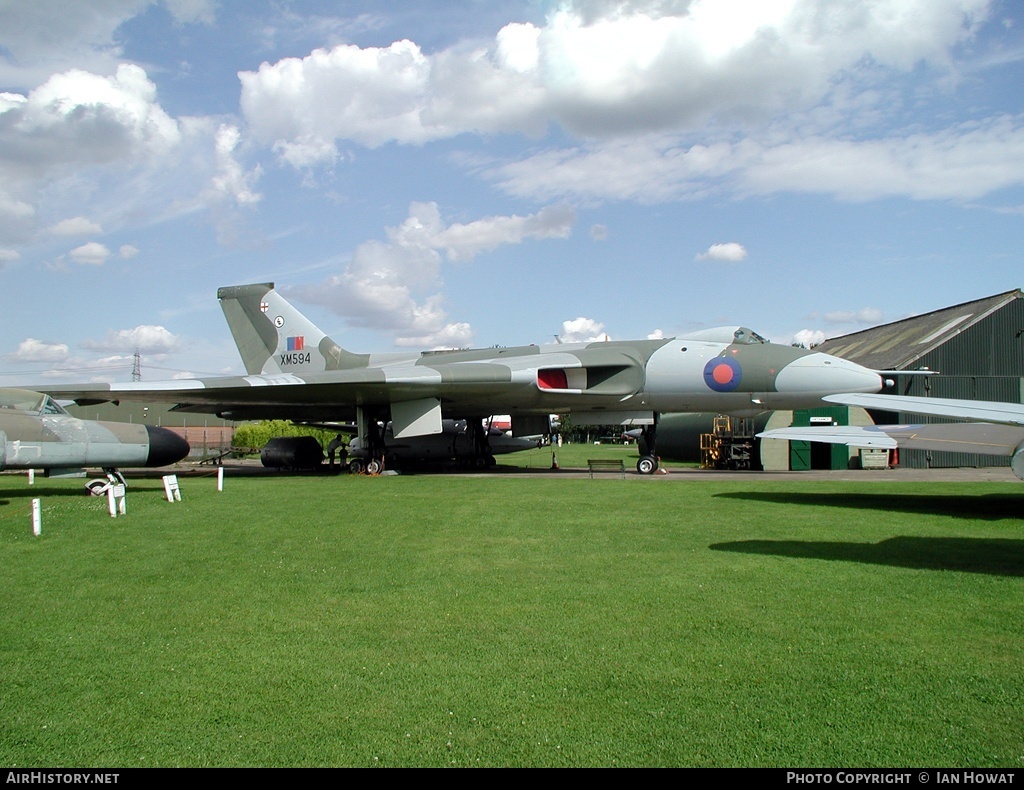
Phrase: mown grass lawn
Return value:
(513, 620)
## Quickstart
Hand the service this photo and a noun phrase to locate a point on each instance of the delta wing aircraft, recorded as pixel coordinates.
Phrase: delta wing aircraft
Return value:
(993, 429)
(36, 433)
(296, 372)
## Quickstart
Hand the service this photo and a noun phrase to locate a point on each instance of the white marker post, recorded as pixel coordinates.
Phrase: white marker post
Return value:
(220, 478)
(31, 477)
(171, 488)
(37, 518)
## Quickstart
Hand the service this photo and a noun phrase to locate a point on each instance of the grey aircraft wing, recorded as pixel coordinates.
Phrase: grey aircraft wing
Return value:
(958, 437)
(992, 428)
(415, 391)
(956, 409)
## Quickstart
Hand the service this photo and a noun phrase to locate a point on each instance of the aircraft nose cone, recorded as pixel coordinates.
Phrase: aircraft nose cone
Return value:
(165, 447)
(826, 374)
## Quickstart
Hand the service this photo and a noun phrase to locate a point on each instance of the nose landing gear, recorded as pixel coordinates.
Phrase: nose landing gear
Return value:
(648, 463)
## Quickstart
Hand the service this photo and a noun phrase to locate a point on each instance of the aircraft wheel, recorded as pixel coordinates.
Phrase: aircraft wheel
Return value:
(647, 465)
(374, 466)
(480, 462)
(355, 467)
(95, 487)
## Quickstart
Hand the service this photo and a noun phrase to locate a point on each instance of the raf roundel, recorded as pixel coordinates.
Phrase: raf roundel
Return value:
(723, 374)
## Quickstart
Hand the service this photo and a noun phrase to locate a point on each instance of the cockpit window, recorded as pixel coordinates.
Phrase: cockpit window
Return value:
(50, 406)
(28, 401)
(745, 336)
(20, 400)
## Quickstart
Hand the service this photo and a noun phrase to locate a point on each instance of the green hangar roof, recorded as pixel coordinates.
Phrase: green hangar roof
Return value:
(905, 344)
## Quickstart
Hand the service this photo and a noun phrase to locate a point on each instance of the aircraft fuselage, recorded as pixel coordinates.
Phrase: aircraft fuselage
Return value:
(44, 436)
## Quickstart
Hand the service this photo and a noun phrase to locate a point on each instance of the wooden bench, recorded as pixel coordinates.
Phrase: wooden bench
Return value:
(606, 465)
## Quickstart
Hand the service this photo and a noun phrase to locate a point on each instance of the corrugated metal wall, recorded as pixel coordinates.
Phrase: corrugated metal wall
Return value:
(1007, 389)
(992, 347)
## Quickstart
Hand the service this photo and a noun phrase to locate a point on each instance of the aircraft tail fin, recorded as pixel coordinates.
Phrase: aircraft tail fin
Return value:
(274, 337)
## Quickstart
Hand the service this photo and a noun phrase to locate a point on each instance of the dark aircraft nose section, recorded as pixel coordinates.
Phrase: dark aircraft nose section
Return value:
(165, 447)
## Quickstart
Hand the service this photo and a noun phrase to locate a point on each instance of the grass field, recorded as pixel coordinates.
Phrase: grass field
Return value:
(514, 620)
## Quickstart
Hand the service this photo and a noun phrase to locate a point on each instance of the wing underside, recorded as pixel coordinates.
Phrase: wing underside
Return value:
(955, 409)
(982, 438)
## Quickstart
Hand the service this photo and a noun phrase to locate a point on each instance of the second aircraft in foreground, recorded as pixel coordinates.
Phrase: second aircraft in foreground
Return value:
(36, 433)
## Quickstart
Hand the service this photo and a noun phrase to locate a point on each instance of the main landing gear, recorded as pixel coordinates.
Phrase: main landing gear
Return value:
(368, 430)
(482, 457)
(647, 465)
(370, 466)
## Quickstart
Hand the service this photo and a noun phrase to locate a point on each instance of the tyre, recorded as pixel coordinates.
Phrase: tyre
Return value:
(95, 487)
(647, 465)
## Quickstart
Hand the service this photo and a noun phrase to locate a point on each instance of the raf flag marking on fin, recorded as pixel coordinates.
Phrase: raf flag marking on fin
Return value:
(295, 347)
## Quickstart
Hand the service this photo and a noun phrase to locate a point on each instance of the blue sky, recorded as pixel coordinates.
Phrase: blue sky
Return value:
(462, 173)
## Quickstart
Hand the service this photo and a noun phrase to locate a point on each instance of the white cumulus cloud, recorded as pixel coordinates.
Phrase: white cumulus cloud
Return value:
(582, 330)
(730, 252)
(146, 338)
(599, 70)
(76, 226)
(81, 118)
(231, 181)
(72, 122)
(92, 254)
(396, 285)
(33, 350)
(465, 241)
(808, 338)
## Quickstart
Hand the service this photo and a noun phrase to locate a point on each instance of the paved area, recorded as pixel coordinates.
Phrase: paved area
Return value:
(678, 474)
(966, 475)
